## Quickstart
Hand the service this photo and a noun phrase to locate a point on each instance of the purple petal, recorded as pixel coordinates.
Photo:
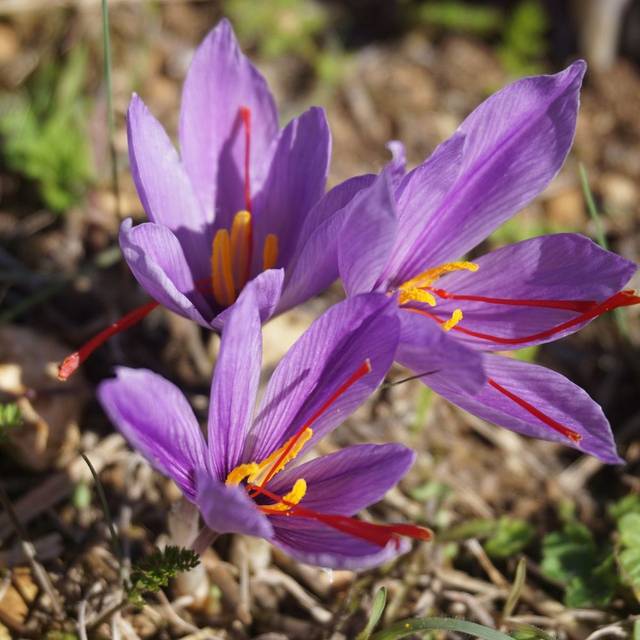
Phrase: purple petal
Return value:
(235, 384)
(318, 544)
(398, 164)
(515, 143)
(562, 267)
(334, 347)
(295, 182)
(157, 261)
(156, 419)
(266, 288)
(421, 192)
(349, 480)
(220, 81)
(546, 391)
(314, 265)
(164, 188)
(368, 236)
(426, 349)
(229, 509)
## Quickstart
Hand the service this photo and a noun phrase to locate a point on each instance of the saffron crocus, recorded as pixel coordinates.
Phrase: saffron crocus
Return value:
(409, 232)
(243, 202)
(243, 478)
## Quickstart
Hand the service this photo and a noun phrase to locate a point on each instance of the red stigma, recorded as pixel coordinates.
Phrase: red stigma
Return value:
(543, 417)
(71, 363)
(359, 373)
(378, 534)
(579, 306)
(590, 311)
(245, 115)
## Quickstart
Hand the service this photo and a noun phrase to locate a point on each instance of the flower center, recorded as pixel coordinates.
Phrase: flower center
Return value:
(258, 474)
(418, 289)
(232, 250)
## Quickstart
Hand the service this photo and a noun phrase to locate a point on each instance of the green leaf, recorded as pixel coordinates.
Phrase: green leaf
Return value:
(408, 627)
(510, 537)
(572, 557)
(628, 504)
(628, 553)
(629, 561)
(593, 589)
(377, 609)
(629, 528)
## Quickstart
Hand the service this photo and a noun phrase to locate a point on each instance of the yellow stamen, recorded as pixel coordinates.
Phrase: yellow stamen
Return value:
(267, 463)
(254, 472)
(241, 247)
(431, 275)
(416, 295)
(292, 498)
(221, 270)
(456, 316)
(242, 471)
(270, 252)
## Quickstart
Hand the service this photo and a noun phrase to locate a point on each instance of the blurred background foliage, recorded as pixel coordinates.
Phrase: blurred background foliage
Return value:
(42, 122)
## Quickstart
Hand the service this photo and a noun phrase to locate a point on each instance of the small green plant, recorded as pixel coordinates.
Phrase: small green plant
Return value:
(503, 538)
(627, 549)
(43, 132)
(10, 418)
(291, 28)
(154, 571)
(454, 15)
(524, 39)
(587, 569)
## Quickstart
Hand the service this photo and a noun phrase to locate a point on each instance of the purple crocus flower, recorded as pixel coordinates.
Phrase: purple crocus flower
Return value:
(243, 201)
(406, 235)
(242, 478)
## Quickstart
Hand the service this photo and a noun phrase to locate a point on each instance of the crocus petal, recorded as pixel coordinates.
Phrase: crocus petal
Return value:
(235, 384)
(425, 348)
(334, 347)
(515, 143)
(295, 182)
(314, 265)
(349, 480)
(156, 419)
(157, 261)
(419, 193)
(164, 188)
(318, 544)
(267, 287)
(547, 391)
(229, 509)
(368, 236)
(220, 81)
(556, 268)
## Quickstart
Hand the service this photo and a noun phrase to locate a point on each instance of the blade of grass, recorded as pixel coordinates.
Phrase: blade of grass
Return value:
(621, 321)
(409, 627)
(106, 45)
(115, 541)
(377, 610)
